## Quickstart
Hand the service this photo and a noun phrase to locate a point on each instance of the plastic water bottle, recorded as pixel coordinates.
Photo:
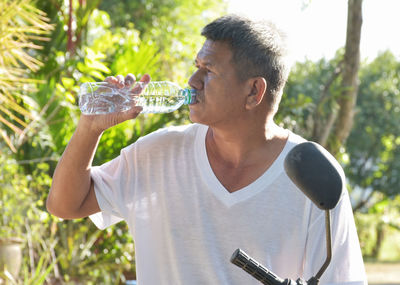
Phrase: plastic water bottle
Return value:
(154, 97)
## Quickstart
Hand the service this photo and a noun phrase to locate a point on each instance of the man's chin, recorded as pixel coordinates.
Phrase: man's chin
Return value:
(194, 117)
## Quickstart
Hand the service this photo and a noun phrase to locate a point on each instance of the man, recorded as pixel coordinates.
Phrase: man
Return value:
(193, 194)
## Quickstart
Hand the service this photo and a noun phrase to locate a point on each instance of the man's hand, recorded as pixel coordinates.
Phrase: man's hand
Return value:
(99, 123)
(72, 192)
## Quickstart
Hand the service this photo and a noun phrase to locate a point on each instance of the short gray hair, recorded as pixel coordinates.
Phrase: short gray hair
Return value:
(258, 48)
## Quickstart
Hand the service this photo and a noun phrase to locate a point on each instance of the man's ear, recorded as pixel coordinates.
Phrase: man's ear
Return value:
(257, 92)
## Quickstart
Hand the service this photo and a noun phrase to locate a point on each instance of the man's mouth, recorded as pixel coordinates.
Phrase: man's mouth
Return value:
(195, 99)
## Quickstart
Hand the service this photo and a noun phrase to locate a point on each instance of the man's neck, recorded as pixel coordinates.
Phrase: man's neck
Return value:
(239, 156)
(242, 146)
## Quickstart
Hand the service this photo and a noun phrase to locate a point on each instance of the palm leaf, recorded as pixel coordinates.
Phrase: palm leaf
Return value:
(20, 24)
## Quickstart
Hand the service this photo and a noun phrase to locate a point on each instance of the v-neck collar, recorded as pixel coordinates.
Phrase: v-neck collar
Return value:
(215, 186)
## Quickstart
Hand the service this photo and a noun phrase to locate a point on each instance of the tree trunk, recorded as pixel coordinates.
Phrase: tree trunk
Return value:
(351, 62)
(380, 235)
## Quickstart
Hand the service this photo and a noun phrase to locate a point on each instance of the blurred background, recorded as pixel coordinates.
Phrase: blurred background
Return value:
(343, 92)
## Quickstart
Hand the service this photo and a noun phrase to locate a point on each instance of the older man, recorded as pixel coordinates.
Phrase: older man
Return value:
(193, 194)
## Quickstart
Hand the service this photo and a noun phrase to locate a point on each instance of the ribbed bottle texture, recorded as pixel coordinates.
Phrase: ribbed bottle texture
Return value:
(154, 97)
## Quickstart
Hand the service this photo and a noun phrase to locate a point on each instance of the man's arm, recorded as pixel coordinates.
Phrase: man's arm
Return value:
(72, 192)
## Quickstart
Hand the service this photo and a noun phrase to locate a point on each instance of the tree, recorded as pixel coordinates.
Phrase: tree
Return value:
(173, 26)
(373, 144)
(351, 62)
(372, 154)
(334, 109)
(21, 26)
(89, 49)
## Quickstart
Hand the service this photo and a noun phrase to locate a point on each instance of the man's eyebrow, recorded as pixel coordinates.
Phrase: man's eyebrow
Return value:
(205, 62)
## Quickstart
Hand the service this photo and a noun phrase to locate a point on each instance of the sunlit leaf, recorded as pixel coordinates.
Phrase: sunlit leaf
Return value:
(20, 24)
(68, 82)
(70, 97)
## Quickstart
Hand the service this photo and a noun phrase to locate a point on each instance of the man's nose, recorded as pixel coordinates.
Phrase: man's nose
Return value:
(196, 81)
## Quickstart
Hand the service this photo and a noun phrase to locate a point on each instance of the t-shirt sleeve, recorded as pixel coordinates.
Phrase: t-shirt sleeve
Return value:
(346, 266)
(113, 188)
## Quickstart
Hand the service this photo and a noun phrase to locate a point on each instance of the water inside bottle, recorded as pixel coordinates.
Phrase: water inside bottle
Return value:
(157, 97)
(159, 104)
(104, 103)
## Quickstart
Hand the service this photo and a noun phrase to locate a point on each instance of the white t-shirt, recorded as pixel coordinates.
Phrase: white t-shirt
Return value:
(186, 225)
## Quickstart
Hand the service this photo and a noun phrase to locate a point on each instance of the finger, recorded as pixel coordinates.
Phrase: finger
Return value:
(141, 84)
(145, 78)
(121, 81)
(111, 80)
(129, 80)
(136, 109)
(131, 113)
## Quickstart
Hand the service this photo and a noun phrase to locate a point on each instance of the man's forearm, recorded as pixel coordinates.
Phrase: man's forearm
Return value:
(71, 181)
(72, 192)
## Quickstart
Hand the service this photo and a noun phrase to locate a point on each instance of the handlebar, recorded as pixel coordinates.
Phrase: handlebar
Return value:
(262, 274)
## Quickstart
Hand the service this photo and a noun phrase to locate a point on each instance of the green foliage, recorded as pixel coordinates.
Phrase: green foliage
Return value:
(173, 26)
(378, 229)
(374, 142)
(23, 216)
(371, 154)
(85, 254)
(57, 251)
(161, 37)
(42, 271)
(305, 102)
(13, 189)
(76, 250)
(136, 57)
(20, 24)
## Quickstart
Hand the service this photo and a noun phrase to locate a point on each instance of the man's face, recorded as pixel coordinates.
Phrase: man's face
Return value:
(221, 95)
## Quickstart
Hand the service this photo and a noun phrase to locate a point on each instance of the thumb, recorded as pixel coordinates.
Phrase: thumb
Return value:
(119, 117)
(131, 113)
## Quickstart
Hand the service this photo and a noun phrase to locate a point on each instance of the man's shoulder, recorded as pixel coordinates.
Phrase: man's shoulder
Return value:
(294, 139)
